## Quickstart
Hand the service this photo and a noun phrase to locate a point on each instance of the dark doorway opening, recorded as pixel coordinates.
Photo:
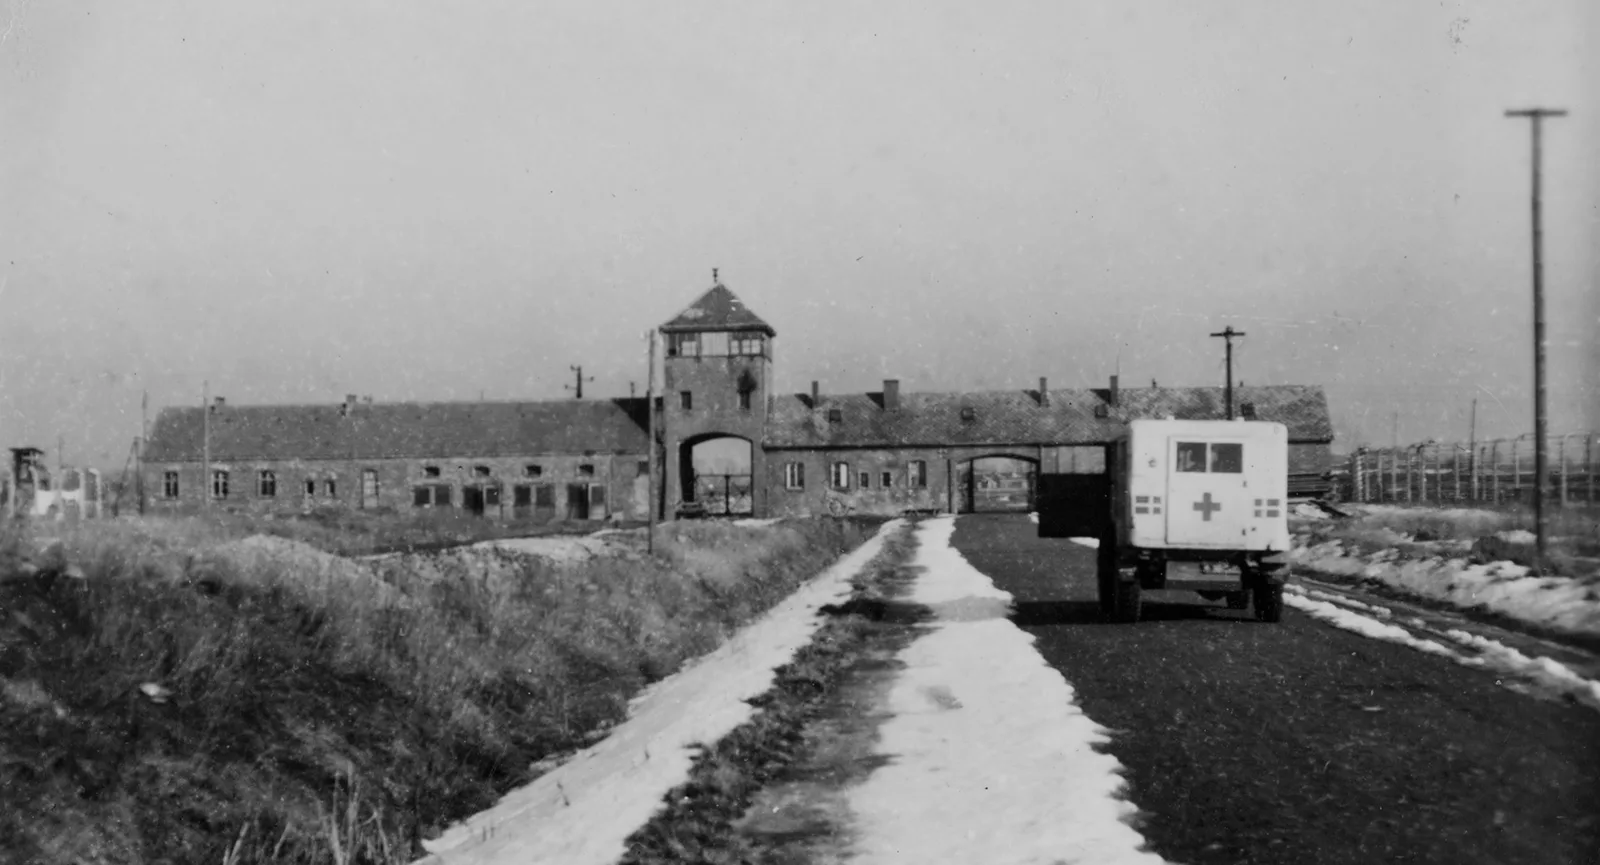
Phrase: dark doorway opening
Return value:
(472, 499)
(997, 484)
(577, 501)
(716, 476)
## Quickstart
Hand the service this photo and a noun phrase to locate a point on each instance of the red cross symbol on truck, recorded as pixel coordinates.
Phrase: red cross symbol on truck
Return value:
(1206, 507)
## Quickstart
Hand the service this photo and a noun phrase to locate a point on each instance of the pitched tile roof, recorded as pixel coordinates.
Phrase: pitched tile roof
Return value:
(1017, 417)
(717, 309)
(401, 430)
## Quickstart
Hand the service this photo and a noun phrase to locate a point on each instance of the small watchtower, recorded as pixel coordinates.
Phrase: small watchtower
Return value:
(717, 375)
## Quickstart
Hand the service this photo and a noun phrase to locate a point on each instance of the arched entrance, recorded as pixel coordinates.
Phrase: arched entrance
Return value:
(997, 484)
(716, 476)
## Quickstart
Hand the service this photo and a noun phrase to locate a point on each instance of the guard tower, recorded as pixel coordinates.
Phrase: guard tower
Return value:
(717, 375)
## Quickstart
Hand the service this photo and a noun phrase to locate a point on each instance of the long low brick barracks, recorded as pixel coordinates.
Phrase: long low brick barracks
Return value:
(883, 452)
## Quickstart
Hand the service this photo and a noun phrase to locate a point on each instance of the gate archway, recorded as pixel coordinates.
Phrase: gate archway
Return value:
(717, 476)
(997, 483)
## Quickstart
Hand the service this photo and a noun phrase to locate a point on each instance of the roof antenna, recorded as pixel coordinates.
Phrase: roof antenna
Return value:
(714, 280)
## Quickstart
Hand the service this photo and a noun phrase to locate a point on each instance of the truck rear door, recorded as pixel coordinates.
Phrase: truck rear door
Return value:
(1207, 499)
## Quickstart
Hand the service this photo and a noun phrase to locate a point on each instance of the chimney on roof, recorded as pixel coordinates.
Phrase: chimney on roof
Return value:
(816, 394)
(1114, 391)
(1044, 391)
(219, 402)
(891, 394)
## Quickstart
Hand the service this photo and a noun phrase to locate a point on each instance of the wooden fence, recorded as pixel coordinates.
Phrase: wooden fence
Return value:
(1498, 471)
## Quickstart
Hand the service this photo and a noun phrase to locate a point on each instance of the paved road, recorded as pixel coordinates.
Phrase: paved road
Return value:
(1299, 742)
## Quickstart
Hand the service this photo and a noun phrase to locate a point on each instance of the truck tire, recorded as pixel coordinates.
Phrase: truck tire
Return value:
(1128, 601)
(1269, 603)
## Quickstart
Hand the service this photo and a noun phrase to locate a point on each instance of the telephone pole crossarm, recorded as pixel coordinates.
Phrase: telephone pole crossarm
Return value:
(1227, 335)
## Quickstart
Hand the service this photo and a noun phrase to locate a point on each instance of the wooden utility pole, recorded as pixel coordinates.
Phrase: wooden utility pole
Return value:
(1227, 334)
(205, 445)
(578, 372)
(1472, 449)
(144, 436)
(1537, 116)
(650, 410)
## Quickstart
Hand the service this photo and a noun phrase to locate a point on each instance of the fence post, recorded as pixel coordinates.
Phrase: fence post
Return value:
(1561, 454)
(1516, 469)
(1495, 469)
(1588, 466)
(1455, 468)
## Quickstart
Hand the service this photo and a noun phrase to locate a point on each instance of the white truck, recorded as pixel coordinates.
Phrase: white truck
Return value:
(1197, 505)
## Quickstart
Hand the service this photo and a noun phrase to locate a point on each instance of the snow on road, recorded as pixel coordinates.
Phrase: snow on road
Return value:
(584, 810)
(1538, 675)
(989, 758)
(1564, 603)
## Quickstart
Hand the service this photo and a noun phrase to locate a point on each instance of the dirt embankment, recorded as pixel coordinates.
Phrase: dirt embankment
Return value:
(174, 695)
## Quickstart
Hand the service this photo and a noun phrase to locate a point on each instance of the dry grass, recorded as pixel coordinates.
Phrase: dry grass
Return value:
(316, 717)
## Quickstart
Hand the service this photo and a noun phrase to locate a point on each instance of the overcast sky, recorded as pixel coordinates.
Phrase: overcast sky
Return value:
(304, 198)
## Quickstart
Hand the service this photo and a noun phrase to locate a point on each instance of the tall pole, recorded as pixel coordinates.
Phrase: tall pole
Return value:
(1472, 449)
(650, 410)
(144, 436)
(205, 445)
(1536, 116)
(1227, 334)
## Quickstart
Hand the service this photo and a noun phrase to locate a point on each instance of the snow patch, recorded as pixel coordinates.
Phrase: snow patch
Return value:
(583, 811)
(1088, 542)
(1545, 674)
(1564, 603)
(756, 524)
(1033, 516)
(990, 758)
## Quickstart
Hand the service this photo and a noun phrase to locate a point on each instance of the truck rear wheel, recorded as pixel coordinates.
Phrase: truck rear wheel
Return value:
(1128, 600)
(1269, 603)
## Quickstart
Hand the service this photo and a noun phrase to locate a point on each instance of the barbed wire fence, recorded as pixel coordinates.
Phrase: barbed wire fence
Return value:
(1494, 471)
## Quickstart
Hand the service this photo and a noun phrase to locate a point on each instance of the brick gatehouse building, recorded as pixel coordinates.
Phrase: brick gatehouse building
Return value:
(882, 452)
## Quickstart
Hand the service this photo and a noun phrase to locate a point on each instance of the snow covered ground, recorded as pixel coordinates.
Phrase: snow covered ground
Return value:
(1562, 603)
(583, 811)
(982, 736)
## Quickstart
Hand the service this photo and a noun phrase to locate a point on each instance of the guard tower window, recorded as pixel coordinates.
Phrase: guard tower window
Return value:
(686, 400)
(683, 345)
(587, 470)
(219, 484)
(169, 484)
(748, 345)
(429, 472)
(794, 476)
(744, 400)
(481, 471)
(267, 484)
(533, 470)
